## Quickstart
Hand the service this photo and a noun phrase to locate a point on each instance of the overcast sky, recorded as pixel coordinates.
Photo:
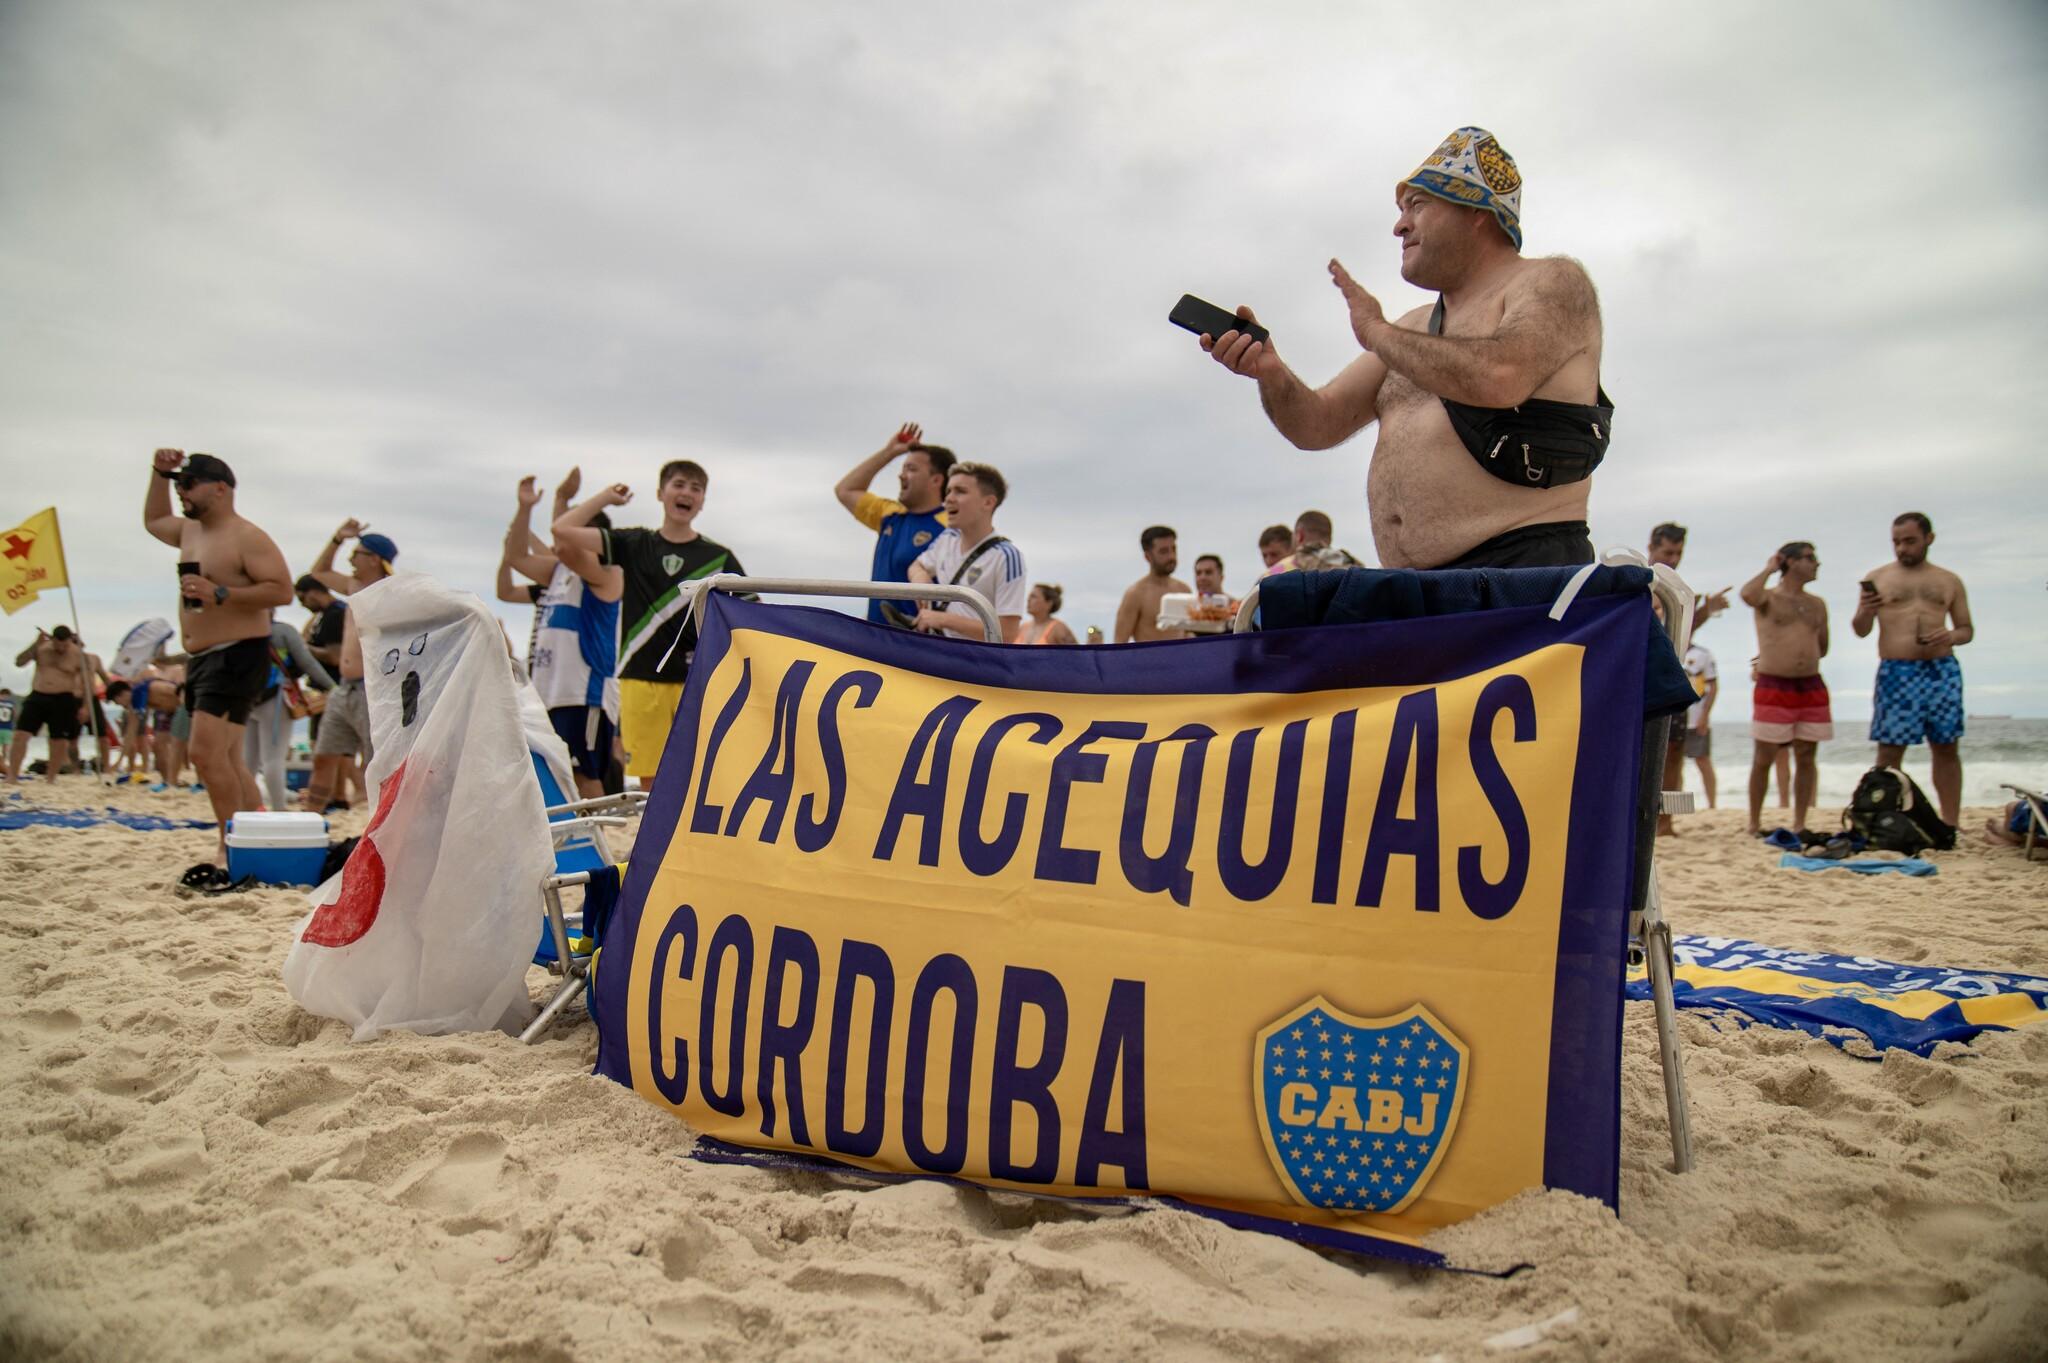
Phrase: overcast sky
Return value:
(387, 258)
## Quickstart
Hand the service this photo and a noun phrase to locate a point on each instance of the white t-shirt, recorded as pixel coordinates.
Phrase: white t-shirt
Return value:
(1699, 665)
(998, 575)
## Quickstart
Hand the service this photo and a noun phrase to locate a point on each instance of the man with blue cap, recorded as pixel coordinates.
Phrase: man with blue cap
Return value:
(1491, 415)
(345, 724)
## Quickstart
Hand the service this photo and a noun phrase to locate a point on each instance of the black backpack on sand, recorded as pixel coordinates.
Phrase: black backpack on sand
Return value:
(1894, 815)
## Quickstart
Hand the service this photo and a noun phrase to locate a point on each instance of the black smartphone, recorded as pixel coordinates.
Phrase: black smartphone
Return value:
(1206, 319)
(188, 566)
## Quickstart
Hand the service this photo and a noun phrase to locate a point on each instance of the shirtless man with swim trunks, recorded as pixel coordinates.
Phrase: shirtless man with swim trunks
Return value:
(1510, 488)
(1922, 614)
(1791, 702)
(231, 576)
(54, 700)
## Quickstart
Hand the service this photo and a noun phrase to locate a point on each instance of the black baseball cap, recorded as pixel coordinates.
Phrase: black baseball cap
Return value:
(205, 468)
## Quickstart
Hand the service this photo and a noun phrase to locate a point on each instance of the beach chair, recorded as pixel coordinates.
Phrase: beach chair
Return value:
(578, 826)
(1649, 936)
(583, 854)
(2037, 811)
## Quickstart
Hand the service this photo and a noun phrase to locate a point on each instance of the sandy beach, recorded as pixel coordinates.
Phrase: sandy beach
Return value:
(199, 1169)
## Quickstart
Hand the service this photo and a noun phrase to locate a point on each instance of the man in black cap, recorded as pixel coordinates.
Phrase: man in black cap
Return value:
(230, 577)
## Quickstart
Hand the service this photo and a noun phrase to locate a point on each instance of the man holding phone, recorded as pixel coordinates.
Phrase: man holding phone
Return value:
(1922, 614)
(231, 575)
(1489, 404)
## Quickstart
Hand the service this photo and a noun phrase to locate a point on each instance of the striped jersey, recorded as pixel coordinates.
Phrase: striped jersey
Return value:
(651, 611)
(997, 575)
(576, 647)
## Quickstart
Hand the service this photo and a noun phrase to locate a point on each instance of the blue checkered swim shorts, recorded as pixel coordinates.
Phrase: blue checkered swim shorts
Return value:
(1918, 700)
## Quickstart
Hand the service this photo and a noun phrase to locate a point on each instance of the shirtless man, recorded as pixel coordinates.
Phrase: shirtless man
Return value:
(231, 576)
(345, 723)
(1791, 703)
(1512, 331)
(1137, 615)
(1922, 614)
(55, 697)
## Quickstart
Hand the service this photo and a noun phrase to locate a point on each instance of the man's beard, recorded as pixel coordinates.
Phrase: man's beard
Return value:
(192, 513)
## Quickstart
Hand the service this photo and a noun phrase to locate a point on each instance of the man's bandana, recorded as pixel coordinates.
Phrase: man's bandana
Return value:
(1472, 169)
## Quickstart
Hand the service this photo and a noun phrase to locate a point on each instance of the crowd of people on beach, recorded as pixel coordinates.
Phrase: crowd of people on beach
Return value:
(1490, 417)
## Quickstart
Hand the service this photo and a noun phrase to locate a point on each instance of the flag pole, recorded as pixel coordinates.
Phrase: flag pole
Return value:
(92, 707)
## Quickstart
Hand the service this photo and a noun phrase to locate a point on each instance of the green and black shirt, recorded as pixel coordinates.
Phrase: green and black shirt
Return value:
(651, 612)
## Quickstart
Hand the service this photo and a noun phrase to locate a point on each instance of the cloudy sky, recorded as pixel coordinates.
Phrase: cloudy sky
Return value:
(386, 259)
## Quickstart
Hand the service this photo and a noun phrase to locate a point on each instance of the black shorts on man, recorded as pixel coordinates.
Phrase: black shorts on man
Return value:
(1555, 544)
(228, 679)
(56, 709)
(588, 730)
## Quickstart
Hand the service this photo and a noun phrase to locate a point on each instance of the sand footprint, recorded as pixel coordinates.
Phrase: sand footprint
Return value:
(48, 1022)
(296, 1099)
(466, 1175)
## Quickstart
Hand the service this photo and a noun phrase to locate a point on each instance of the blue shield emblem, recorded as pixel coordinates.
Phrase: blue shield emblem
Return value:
(1357, 1112)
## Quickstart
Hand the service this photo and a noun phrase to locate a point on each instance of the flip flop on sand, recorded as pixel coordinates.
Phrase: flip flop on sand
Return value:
(209, 879)
(204, 876)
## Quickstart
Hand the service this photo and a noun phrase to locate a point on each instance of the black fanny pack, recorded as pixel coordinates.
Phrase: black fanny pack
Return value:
(1538, 444)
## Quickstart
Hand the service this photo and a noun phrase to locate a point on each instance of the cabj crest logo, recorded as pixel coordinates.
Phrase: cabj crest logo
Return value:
(1357, 1112)
(671, 564)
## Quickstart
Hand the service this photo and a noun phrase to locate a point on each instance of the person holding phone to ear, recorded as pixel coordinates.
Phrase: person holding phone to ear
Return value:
(1490, 412)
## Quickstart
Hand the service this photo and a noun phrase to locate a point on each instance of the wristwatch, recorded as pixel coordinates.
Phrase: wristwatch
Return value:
(170, 475)
(220, 596)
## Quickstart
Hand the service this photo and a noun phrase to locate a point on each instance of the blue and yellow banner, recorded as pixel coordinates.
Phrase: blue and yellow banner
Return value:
(1320, 931)
(1890, 1005)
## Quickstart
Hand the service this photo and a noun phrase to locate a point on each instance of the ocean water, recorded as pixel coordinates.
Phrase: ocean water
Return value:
(1993, 750)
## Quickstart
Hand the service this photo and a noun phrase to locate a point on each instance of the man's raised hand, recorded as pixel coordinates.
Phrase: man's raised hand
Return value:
(529, 491)
(349, 529)
(1365, 309)
(168, 461)
(565, 494)
(1239, 353)
(907, 435)
(618, 494)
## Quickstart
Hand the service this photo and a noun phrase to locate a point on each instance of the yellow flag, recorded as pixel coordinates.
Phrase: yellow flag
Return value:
(31, 560)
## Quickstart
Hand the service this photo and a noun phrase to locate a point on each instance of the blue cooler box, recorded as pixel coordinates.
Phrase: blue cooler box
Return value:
(277, 849)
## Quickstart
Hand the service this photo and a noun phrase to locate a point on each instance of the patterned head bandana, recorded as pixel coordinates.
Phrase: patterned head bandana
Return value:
(1472, 169)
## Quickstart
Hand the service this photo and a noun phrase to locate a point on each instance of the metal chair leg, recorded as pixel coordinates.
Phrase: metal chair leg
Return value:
(1657, 953)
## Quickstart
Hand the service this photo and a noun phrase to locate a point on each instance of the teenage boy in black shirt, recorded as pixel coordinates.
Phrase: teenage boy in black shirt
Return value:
(656, 562)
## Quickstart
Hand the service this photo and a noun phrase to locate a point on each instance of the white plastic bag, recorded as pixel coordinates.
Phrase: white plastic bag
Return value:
(432, 923)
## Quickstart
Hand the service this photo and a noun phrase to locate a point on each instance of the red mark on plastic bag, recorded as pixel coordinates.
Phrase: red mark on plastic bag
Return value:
(362, 882)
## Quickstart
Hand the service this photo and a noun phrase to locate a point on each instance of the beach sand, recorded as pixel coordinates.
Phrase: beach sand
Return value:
(198, 1169)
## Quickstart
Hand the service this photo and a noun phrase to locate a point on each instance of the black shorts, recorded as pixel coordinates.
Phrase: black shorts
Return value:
(58, 710)
(588, 730)
(1559, 544)
(228, 681)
